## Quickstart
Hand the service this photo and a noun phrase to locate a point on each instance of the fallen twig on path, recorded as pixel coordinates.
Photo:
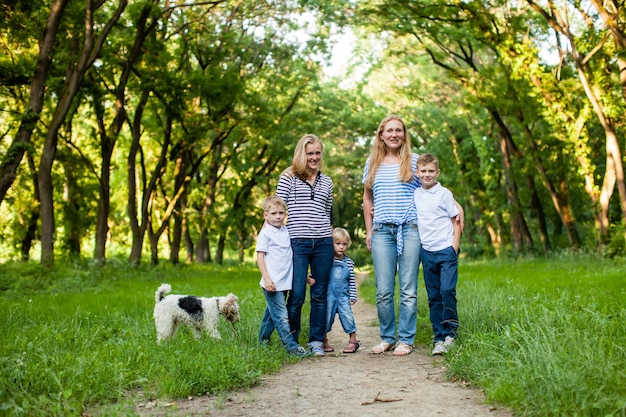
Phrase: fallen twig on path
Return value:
(380, 400)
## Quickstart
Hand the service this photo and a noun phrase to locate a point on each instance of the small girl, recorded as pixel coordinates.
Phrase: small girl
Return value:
(342, 291)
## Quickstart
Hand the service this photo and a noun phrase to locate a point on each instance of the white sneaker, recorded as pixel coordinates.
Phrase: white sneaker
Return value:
(448, 343)
(439, 349)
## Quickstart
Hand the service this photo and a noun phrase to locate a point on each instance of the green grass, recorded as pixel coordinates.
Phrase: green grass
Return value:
(543, 337)
(80, 336)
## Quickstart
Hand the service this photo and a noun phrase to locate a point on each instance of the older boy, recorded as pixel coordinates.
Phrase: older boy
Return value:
(440, 236)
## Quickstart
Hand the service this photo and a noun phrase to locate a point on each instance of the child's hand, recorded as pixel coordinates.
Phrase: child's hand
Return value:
(269, 284)
(310, 280)
(352, 302)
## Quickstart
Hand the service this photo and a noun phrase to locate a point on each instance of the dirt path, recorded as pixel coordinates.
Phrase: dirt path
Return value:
(338, 384)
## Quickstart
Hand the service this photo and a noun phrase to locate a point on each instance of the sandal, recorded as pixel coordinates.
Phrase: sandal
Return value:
(328, 348)
(351, 347)
(382, 348)
(402, 349)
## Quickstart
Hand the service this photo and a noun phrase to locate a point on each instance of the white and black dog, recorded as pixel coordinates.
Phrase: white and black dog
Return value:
(197, 312)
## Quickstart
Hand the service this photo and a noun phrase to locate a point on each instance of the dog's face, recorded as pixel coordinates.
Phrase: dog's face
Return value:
(230, 309)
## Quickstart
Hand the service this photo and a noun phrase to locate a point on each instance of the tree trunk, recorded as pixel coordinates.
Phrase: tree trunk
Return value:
(33, 218)
(179, 212)
(520, 235)
(241, 252)
(137, 230)
(535, 204)
(44, 181)
(154, 247)
(176, 239)
(71, 216)
(614, 171)
(107, 145)
(188, 241)
(219, 253)
(203, 249)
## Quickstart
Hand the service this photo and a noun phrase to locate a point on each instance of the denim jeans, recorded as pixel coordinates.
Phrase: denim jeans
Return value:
(441, 273)
(339, 300)
(386, 263)
(275, 317)
(318, 254)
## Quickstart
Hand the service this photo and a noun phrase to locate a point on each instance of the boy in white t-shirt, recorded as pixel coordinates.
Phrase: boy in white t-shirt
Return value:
(440, 236)
(274, 258)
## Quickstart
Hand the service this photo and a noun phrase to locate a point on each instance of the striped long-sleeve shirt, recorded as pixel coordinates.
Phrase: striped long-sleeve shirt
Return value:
(309, 207)
(393, 199)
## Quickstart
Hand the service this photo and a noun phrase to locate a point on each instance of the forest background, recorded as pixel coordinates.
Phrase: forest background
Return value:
(154, 129)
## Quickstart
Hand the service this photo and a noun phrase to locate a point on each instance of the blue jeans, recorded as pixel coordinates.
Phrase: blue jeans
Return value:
(318, 254)
(339, 300)
(441, 273)
(386, 263)
(275, 317)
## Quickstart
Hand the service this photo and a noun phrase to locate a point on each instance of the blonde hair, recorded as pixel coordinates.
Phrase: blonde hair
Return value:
(273, 200)
(298, 164)
(379, 151)
(428, 158)
(341, 233)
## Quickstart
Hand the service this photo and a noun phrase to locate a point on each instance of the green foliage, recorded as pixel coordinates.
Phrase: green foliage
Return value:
(14, 149)
(616, 245)
(232, 86)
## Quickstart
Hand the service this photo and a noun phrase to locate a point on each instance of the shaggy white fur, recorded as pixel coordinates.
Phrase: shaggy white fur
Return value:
(197, 312)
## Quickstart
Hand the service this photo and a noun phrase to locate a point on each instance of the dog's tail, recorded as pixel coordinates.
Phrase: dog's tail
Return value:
(160, 293)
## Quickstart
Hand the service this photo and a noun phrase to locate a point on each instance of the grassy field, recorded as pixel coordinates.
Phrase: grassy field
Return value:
(544, 337)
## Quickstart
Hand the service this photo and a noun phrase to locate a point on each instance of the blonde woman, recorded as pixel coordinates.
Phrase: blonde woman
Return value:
(309, 197)
(392, 234)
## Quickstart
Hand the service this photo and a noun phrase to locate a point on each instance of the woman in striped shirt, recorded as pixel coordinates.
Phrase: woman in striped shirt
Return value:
(309, 197)
(392, 233)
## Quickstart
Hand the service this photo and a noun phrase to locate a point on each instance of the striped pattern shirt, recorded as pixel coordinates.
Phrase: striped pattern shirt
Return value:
(309, 207)
(393, 199)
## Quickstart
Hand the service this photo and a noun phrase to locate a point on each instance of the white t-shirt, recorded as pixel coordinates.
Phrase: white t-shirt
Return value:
(276, 244)
(435, 207)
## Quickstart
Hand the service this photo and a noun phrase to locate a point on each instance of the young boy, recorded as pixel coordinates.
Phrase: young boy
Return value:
(440, 236)
(341, 291)
(274, 258)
